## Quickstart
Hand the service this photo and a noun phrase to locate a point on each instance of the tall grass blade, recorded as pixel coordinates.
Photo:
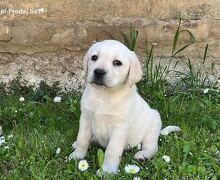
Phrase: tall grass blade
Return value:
(126, 41)
(192, 41)
(176, 37)
(133, 40)
(205, 53)
(130, 40)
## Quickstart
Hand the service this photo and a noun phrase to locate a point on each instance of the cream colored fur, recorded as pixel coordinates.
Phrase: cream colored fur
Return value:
(114, 114)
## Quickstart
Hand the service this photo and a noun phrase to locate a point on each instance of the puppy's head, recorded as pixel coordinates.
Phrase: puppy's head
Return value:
(110, 63)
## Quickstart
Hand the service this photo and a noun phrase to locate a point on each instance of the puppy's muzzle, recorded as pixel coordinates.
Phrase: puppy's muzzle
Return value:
(99, 75)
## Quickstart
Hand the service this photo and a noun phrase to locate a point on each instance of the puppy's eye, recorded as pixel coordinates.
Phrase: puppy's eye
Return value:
(94, 58)
(117, 63)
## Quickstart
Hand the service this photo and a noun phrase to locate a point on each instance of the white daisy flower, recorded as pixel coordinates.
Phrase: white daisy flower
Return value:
(21, 99)
(58, 150)
(10, 136)
(166, 158)
(57, 99)
(83, 165)
(206, 91)
(132, 169)
(137, 178)
(2, 140)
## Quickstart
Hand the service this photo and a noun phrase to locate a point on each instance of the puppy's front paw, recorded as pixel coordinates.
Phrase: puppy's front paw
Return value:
(110, 169)
(76, 155)
(141, 155)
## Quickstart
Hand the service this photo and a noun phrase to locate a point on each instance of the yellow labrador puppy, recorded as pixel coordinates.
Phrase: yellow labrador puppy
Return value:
(112, 112)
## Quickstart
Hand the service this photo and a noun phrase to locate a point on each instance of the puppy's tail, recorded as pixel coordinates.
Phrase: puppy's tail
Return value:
(165, 131)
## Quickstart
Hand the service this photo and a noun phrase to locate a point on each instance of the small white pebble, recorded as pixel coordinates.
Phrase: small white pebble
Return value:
(21, 99)
(66, 159)
(137, 178)
(206, 91)
(2, 140)
(10, 136)
(166, 158)
(58, 150)
(57, 99)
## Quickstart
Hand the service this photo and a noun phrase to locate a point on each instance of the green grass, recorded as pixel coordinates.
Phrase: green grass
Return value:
(40, 126)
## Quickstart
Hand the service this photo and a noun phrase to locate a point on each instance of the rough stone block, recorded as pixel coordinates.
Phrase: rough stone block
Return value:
(5, 33)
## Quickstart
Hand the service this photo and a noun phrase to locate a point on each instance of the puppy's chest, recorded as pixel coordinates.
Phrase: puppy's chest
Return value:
(104, 116)
(102, 125)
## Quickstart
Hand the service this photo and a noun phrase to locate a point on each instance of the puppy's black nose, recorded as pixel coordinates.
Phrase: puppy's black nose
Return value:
(99, 73)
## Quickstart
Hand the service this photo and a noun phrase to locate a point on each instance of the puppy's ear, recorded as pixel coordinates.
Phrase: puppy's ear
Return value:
(85, 64)
(135, 71)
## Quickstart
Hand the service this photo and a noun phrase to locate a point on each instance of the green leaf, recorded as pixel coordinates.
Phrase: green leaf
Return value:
(186, 148)
(100, 155)
(214, 178)
(47, 97)
(214, 148)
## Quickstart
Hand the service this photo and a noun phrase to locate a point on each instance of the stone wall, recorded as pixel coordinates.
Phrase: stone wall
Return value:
(46, 39)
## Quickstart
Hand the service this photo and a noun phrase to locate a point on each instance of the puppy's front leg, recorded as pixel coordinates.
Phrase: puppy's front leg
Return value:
(83, 138)
(114, 150)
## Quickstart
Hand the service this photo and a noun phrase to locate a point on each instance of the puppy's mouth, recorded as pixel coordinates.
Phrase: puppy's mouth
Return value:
(98, 82)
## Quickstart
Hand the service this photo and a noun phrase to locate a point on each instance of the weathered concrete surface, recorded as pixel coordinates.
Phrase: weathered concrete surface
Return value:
(47, 38)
